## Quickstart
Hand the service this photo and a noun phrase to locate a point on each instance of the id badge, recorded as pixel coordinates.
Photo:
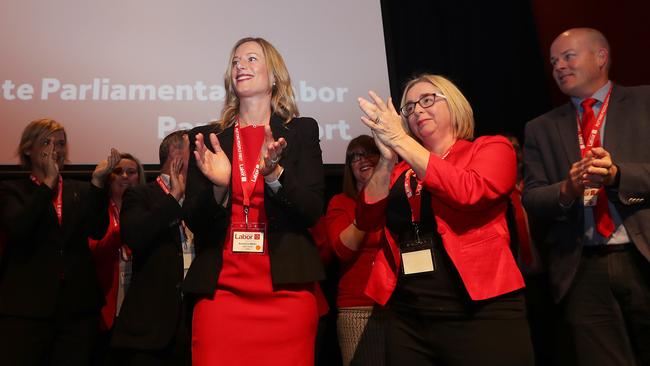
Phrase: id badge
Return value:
(248, 238)
(417, 257)
(590, 197)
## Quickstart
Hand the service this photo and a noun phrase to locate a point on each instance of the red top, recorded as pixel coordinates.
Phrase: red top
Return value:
(469, 195)
(106, 256)
(355, 265)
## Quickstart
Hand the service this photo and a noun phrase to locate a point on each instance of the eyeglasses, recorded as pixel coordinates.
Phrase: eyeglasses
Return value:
(356, 156)
(426, 101)
(129, 171)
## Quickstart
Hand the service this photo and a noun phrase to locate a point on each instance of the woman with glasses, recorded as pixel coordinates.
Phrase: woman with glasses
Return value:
(49, 294)
(446, 272)
(255, 186)
(112, 258)
(359, 323)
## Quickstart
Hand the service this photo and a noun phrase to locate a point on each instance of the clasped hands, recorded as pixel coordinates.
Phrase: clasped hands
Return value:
(385, 123)
(596, 169)
(217, 167)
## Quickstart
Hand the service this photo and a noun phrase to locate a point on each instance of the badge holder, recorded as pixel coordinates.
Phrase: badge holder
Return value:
(417, 255)
(248, 237)
(590, 197)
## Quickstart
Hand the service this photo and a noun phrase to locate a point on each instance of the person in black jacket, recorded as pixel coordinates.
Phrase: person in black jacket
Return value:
(49, 292)
(255, 186)
(150, 329)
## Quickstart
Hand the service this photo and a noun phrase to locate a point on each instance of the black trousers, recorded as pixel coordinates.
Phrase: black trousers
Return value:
(607, 309)
(65, 340)
(485, 337)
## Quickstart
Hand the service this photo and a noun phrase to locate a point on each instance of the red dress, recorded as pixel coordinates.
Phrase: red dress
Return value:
(106, 256)
(248, 322)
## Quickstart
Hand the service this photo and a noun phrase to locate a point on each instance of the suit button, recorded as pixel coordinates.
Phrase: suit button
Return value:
(60, 251)
(178, 285)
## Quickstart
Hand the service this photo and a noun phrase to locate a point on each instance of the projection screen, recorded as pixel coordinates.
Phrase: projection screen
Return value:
(126, 73)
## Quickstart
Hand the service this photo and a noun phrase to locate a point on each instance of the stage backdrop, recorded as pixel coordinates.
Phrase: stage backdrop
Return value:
(127, 73)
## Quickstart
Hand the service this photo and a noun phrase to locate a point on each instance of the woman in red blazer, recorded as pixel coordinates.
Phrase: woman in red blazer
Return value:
(446, 272)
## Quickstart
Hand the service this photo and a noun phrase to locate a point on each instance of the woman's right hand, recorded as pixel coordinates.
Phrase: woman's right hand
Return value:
(214, 165)
(48, 164)
(387, 154)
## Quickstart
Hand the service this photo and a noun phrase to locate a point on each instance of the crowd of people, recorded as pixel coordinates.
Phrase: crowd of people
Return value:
(219, 259)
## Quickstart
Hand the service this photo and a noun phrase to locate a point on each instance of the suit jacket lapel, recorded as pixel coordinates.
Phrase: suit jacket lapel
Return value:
(616, 123)
(567, 129)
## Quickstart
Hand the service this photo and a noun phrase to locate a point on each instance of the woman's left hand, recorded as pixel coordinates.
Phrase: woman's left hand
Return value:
(271, 153)
(104, 168)
(382, 118)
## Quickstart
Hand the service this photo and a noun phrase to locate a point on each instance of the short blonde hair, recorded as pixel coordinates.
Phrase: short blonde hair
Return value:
(462, 116)
(283, 102)
(34, 132)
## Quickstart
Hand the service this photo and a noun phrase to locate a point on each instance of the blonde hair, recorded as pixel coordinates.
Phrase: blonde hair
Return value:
(462, 116)
(283, 102)
(34, 132)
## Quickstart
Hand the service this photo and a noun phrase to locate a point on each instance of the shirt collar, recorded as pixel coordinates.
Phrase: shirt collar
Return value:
(599, 95)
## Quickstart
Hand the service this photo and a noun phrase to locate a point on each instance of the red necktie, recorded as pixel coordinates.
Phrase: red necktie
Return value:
(604, 222)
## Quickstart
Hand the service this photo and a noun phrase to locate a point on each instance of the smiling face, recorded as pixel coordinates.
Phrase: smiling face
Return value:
(249, 73)
(579, 63)
(362, 164)
(125, 175)
(432, 125)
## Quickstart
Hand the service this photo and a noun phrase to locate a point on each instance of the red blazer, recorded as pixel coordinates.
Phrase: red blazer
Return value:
(469, 196)
(355, 266)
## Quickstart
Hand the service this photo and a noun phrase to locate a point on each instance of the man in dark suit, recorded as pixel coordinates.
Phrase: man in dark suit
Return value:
(151, 328)
(587, 176)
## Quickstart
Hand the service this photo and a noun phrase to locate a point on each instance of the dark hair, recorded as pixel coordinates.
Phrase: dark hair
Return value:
(174, 139)
(366, 143)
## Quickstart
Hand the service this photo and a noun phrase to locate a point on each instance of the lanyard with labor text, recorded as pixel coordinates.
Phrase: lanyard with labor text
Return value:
(414, 199)
(162, 185)
(594, 130)
(247, 185)
(116, 214)
(58, 200)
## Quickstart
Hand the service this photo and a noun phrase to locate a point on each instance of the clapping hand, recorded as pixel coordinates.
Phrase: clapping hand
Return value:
(105, 167)
(271, 153)
(177, 178)
(214, 165)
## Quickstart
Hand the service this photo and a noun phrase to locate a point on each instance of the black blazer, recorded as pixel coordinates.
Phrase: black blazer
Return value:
(152, 307)
(551, 146)
(290, 212)
(44, 265)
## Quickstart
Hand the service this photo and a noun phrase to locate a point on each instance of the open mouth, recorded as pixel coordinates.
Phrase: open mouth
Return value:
(243, 77)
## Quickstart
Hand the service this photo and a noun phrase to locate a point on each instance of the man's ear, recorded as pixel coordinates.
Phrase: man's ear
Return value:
(603, 57)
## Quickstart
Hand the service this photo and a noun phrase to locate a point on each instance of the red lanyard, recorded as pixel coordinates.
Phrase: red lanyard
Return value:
(116, 214)
(415, 199)
(162, 185)
(58, 200)
(595, 130)
(246, 184)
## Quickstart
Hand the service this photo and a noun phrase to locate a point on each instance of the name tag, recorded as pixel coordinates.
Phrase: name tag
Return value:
(419, 261)
(248, 239)
(417, 256)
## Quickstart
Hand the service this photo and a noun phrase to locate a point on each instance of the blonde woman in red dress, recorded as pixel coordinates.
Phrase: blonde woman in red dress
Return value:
(255, 186)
